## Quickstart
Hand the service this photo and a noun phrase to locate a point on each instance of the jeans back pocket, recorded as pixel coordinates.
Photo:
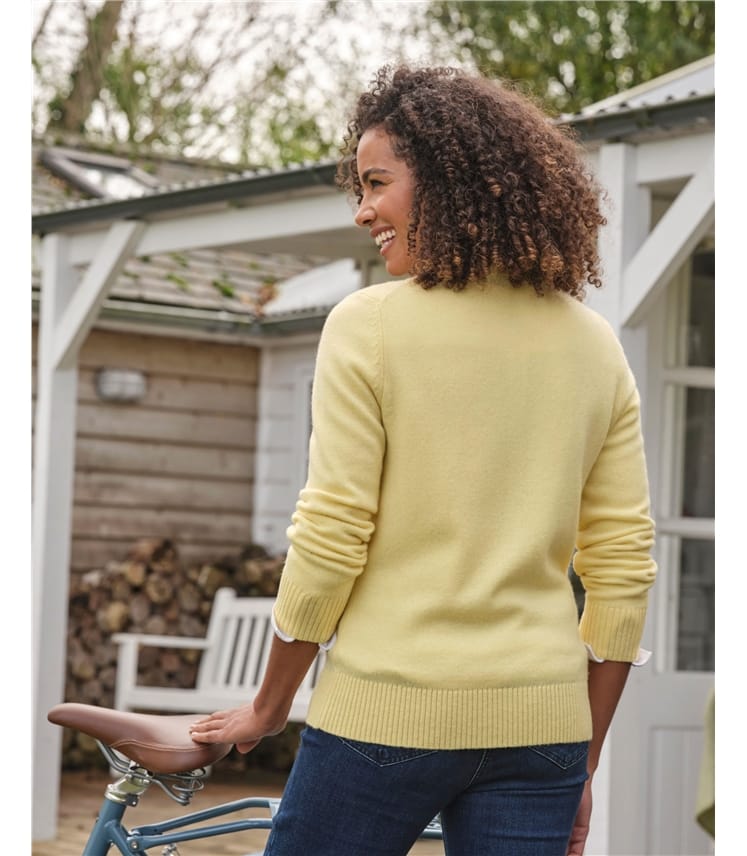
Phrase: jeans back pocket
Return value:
(385, 756)
(564, 755)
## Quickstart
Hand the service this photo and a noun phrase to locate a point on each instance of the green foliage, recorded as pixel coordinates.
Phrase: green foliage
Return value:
(180, 259)
(297, 136)
(570, 54)
(155, 100)
(267, 84)
(224, 287)
(207, 88)
(178, 280)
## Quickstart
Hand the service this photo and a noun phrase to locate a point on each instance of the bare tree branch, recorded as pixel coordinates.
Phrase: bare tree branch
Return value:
(42, 25)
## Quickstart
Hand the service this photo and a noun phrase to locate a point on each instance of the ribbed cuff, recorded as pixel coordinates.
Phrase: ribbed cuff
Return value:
(613, 632)
(311, 617)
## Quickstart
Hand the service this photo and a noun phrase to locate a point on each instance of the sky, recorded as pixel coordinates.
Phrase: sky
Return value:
(356, 37)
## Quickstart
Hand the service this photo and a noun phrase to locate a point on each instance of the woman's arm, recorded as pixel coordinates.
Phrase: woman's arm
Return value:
(606, 683)
(268, 712)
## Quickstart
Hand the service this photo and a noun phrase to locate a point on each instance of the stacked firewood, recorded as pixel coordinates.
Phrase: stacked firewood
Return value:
(151, 591)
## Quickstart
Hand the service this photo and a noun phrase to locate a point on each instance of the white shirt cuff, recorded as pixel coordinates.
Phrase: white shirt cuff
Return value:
(325, 646)
(641, 659)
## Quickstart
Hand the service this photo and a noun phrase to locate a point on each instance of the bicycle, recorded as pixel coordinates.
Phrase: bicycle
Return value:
(147, 749)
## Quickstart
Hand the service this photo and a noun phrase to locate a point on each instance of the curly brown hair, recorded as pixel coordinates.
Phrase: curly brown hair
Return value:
(498, 186)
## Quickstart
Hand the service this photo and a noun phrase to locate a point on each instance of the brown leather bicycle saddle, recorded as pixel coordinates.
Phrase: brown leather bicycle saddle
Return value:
(159, 743)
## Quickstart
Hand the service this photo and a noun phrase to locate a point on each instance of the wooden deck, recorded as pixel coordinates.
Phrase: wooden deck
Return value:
(81, 795)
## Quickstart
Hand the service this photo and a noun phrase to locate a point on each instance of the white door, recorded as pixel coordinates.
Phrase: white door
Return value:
(657, 738)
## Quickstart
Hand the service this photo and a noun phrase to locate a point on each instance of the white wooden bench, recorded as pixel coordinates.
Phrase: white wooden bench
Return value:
(234, 655)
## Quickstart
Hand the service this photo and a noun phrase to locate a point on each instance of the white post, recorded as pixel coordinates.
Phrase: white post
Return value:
(627, 212)
(51, 525)
(68, 310)
(627, 209)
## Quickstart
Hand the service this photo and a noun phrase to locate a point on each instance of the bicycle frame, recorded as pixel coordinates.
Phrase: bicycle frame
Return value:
(108, 829)
(143, 740)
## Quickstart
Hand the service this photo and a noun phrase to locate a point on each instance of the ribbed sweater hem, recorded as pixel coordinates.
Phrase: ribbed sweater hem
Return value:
(429, 718)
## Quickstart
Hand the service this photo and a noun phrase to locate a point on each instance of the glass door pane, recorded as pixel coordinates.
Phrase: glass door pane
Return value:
(695, 639)
(699, 474)
(693, 506)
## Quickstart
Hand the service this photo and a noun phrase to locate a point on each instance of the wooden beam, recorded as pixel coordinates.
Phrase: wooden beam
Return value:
(672, 240)
(290, 220)
(83, 307)
(668, 160)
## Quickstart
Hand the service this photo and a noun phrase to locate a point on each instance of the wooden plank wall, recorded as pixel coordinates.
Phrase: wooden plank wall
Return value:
(178, 464)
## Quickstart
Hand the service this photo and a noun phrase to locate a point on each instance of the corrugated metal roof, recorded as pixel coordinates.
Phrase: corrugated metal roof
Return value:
(314, 291)
(230, 283)
(690, 81)
(670, 102)
(274, 287)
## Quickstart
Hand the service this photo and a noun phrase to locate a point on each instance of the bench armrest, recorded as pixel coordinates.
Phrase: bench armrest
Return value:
(128, 655)
(155, 641)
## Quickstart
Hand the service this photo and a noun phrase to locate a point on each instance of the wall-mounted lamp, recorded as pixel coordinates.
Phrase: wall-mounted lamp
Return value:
(123, 385)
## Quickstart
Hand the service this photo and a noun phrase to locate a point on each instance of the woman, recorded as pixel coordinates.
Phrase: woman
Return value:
(475, 426)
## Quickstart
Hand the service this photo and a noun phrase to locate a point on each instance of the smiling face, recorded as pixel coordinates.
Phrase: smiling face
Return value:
(387, 186)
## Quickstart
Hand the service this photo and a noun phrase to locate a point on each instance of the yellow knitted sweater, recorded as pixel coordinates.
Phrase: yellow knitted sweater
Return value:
(463, 445)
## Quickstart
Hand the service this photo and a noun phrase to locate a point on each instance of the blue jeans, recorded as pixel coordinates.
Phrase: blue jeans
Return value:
(348, 798)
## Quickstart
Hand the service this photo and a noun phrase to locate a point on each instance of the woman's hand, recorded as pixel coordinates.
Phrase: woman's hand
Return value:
(267, 714)
(239, 725)
(580, 831)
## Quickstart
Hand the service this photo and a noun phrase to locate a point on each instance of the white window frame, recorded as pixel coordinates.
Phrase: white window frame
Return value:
(671, 526)
(72, 165)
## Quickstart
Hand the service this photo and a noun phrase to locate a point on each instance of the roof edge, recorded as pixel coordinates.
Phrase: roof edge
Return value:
(613, 125)
(229, 190)
(624, 122)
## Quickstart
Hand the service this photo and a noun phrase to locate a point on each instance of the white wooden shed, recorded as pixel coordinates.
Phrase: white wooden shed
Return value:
(653, 150)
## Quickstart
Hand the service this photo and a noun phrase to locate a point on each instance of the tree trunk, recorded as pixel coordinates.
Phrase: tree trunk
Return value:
(88, 76)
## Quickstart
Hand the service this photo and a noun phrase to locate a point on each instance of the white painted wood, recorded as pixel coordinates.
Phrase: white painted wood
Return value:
(303, 378)
(676, 755)
(54, 441)
(674, 237)
(687, 527)
(645, 743)
(667, 160)
(695, 376)
(285, 220)
(235, 652)
(627, 212)
(73, 326)
(282, 438)
(656, 738)
(663, 718)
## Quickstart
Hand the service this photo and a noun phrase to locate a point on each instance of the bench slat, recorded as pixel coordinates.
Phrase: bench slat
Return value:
(236, 650)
